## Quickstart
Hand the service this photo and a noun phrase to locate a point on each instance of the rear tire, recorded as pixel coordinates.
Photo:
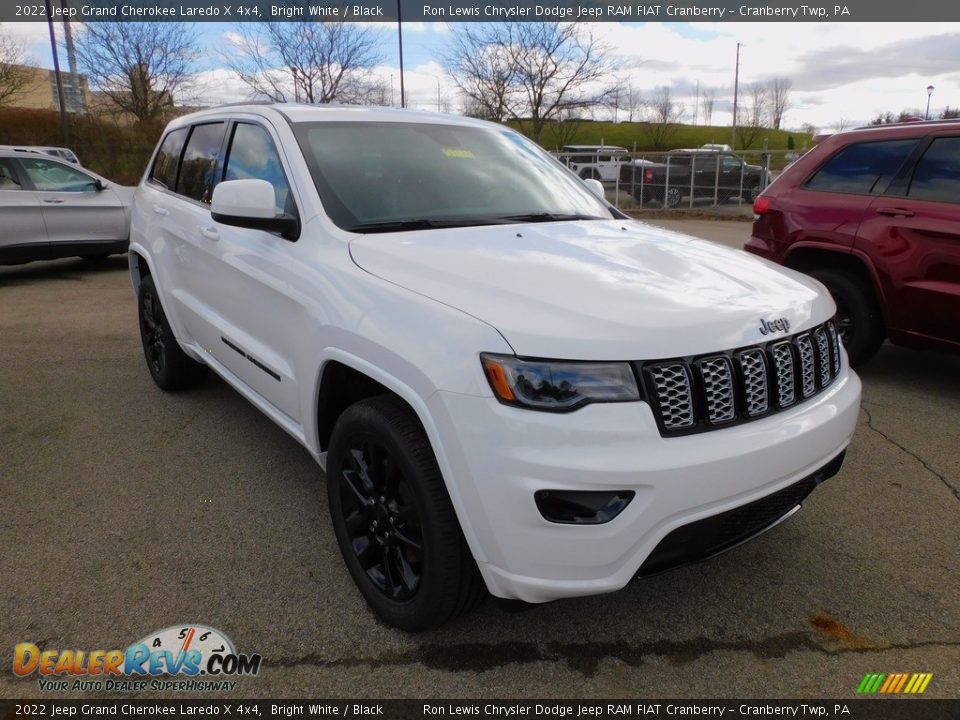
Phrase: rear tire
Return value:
(394, 521)
(171, 368)
(859, 320)
(672, 198)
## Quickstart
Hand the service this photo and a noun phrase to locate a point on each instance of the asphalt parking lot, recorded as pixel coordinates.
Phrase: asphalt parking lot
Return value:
(126, 510)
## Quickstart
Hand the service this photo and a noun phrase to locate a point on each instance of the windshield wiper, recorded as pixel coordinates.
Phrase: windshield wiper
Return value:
(421, 224)
(547, 217)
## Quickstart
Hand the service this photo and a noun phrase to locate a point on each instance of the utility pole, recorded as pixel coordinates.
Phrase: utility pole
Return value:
(59, 83)
(403, 96)
(736, 89)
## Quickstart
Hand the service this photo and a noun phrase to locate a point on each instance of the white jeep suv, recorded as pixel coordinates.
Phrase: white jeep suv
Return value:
(511, 387)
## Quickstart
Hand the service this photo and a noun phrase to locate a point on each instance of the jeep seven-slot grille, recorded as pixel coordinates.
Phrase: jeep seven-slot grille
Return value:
(708, 392)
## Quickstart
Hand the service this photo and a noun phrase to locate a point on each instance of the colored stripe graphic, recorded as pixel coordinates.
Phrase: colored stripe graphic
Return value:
(894, 683)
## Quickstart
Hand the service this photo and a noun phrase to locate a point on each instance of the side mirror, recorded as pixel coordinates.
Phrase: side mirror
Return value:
(98, 184)
(251, 204)
(596, 187)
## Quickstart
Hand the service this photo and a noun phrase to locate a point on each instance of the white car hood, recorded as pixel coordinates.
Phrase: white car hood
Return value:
(597, 290)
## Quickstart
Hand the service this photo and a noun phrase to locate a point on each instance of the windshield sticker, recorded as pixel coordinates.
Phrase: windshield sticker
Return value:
(458, 153)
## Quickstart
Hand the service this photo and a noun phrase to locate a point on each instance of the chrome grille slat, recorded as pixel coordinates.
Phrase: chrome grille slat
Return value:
(711, 391)
(808, 370)
(673, 392)
(823, 350)
(835, 345)
(753, 369)
(718, 389)
(783, 359)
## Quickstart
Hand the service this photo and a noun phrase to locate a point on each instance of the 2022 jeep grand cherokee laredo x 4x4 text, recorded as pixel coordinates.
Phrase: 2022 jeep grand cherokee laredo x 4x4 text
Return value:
(510, 386)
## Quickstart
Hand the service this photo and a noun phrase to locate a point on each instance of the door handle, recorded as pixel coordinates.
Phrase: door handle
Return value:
(895, 212)
(160, 210)
(53, 201)
(210, 233)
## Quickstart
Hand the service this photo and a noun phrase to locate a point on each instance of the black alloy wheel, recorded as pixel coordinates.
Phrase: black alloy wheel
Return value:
(381, 518)
(170, 367)
(393, 519)
(151, 330)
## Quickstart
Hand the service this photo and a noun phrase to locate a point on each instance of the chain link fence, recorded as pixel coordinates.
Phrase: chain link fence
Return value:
(702, 179)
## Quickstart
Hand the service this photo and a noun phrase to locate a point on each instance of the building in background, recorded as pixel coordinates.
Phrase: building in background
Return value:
(40, 91)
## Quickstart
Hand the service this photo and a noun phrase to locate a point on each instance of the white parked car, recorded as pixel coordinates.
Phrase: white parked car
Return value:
(511, 386)
(51, 208)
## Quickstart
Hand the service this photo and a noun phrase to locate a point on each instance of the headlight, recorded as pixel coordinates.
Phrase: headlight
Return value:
(558, 385)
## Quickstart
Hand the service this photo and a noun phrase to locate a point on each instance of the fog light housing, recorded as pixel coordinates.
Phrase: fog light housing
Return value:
(582, 507)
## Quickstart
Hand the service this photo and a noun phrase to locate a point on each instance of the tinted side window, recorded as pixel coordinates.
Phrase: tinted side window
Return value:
(253, 155)
(199, 165)
(8, 176)
(53, 176)
(937, 176)
(165, 166)
(863, 168)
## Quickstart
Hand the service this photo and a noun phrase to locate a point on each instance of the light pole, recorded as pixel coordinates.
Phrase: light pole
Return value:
(736, 92)
(929, 93)
(403, 95)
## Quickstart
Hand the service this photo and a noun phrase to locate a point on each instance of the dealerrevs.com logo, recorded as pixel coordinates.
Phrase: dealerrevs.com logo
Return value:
(205, 657)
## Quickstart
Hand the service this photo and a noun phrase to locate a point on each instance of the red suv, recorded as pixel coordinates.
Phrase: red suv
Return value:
(874, 214)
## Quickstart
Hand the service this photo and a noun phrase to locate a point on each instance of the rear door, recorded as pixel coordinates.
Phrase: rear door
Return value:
(74, 209)
(913, 238)
(830, 205)
(21, 211)
(191, 253)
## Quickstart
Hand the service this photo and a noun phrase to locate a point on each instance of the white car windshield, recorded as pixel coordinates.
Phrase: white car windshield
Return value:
(388, 176)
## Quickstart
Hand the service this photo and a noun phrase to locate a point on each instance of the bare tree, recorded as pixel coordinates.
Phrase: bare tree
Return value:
(663, 117)
(306, 61)
(554, 67)
(141, 66)
(754, 114)
(809, 128)
(779, 94)
(841, 124)
(13, 78)
(707, 103)
(565, 129)
(479, 64)
(529, 72)
(632, 101)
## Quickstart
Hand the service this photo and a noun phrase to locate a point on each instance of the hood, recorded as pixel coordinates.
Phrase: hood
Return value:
(598, 290)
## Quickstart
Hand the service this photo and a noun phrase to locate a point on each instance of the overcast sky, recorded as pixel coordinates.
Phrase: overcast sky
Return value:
(840, 71)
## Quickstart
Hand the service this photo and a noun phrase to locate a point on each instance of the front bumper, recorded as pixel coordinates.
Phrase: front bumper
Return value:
(496, 457)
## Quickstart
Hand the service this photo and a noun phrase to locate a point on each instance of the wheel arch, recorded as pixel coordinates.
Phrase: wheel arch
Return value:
(805, 258)
(336, 365)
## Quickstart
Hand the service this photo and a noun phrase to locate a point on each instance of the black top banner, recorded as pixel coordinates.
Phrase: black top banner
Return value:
(479, 11)
(913, 709)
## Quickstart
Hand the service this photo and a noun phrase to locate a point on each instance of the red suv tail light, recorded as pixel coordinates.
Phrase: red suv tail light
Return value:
(762, 205)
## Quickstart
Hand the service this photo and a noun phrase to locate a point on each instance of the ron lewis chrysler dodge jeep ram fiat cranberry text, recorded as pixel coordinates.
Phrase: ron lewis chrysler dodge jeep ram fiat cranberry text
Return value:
(511, 387)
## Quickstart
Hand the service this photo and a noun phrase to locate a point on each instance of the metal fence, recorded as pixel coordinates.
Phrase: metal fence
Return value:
(680, 179)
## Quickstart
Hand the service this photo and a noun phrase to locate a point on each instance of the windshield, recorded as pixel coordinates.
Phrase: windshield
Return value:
(393, 176)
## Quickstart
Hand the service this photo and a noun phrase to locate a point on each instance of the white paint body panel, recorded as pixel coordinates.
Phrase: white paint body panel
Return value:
(414, 310)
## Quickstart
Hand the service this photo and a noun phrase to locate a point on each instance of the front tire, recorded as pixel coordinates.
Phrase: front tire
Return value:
(393, 519)
(171, 368)
(859, 321)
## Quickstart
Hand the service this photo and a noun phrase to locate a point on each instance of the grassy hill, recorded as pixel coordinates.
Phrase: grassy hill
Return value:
(630, 135)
